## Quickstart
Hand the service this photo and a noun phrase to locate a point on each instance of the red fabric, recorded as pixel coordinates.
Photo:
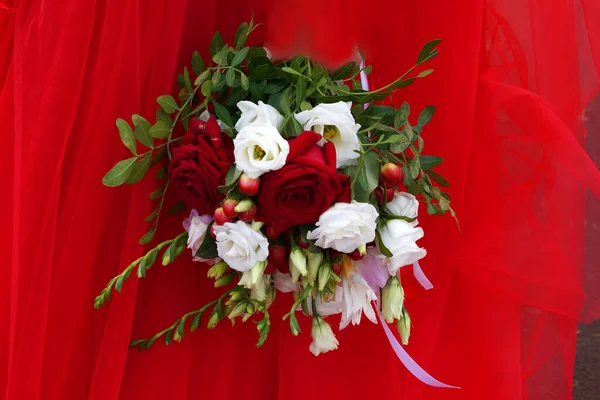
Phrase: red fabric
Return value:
(510, 85)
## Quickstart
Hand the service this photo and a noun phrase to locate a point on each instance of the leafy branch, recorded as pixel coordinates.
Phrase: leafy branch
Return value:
(143, 263)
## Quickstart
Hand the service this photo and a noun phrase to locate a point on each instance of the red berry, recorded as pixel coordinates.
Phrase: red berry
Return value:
(379, 195)
(220, 217)
(212, 231)
(390, 195)
(248, 186)
(196, 126)
(337, 268)
(392, 174)
(271, 233)
(229, 207)
(248, 216)
(276, 254)
(303, 244)
(355, 255)
(270, 268)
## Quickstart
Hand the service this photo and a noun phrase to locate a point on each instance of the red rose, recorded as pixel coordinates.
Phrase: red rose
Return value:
(305, 187)
(199, 165)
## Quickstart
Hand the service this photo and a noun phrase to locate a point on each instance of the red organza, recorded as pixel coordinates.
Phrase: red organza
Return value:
(510, 86)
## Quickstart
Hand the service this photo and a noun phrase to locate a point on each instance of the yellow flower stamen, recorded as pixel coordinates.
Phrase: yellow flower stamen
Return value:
(330, 132)
(259, 153)
(347, 267)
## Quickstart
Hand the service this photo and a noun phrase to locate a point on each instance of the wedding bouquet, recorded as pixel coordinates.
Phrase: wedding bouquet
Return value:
(294, 181)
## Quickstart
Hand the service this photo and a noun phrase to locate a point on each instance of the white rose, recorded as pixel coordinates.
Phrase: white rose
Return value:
(240, 246)
(345, 227)
(400, 237)
(336, 124)
(260, 114)
(356, 299)
(259, 149)
(404, 205)
(323, 338)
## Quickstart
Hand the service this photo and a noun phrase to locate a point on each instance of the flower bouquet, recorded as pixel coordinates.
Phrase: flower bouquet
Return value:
(295, 181)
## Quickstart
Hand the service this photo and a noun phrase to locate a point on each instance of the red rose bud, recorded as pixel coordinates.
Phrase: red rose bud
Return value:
(229, 207)
(392, 174)
(213, 130)
(248, 216)
(271, 267)
(276, 254)
(271, 233)
(356, 256)
(196, 126)
(248, 186)
(220, 217)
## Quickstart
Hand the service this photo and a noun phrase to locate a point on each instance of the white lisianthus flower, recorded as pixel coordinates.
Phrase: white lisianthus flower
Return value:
(373, 268)
(323, 338)
(328, 308)
(356, 299)
(400, 238)
(259, 148)
(196, 226)
(404, 205)
(345, 227)
(258, 114)
(392, 300)
(240, 246)
(284, 283)
(336, 124)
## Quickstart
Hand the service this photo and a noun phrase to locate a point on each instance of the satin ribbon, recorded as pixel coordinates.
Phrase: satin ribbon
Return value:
(419, 275)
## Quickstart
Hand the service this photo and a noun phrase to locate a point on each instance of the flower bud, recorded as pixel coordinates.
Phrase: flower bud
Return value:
(403, 326)
(217, 270)
(249, 308)
(323, 275)
(213, 320)
(297, 263)
(362, 249)
(323, 338)
(257, 225)
(314, 261)
(243, 206)
(252, 276)
(392, 300)
(166, 259)
(259, 291)
(238, 310)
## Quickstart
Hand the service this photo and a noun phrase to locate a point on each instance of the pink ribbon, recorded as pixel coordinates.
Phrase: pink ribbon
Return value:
(403, 356)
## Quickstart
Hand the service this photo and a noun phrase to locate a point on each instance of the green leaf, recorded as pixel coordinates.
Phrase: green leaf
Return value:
(201, 78)
(276, 86)
(230, 77)
(343, 71)
(414, 167)
(300, 93)
(208, 248)
(216, 77)
(244, 81)
(239, 57)
(294, 327)
(196, 322)
(233, 174)
(139, 169)
(157, 194)
(438, 178)
(402, 115)
(216, 44)
(162, 173)
(147, 238)
(158, 156)
(186, 78)
(152, 215)
(119, 283)
(167, 103)
(291, 71)
(160, 130)
(161, 115)
(221, 57)
(428, 51)
(368, 177)
(223, 114)
(126, 135)
(177, 208)
(180, 81)
(367, 70)
(426, 115)
(423, 74)
(241, 35)
(197, 63)
(142, 128)
(119, 173)
(429, 162)
(206, 88)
